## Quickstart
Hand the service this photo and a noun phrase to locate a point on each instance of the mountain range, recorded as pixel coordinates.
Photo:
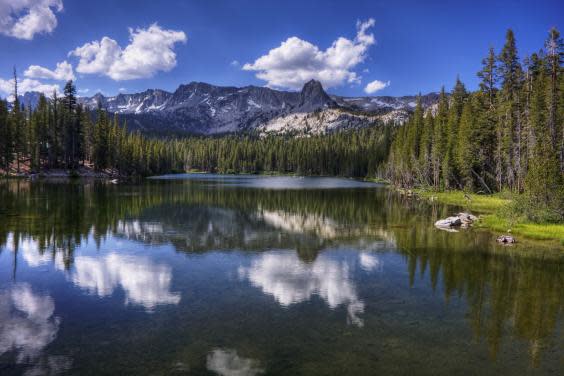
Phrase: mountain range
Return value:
(203, 109)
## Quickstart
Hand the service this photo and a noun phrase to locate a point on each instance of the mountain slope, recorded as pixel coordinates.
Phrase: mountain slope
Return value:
(204, 109)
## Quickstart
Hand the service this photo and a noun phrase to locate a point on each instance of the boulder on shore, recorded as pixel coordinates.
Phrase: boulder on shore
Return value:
(506, 239)
(461, 219)
(467, 217)
(449, 222)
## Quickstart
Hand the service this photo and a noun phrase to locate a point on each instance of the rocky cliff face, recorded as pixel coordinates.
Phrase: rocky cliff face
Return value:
(204, 109)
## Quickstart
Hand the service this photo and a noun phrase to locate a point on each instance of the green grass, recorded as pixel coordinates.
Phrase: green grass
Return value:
(491, 207)
(479, 203)
(546, 231)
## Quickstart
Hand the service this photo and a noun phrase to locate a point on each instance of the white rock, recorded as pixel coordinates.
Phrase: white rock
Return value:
(448, 222)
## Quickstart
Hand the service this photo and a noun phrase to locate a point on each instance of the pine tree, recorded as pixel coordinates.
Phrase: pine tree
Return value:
(450, 170)
(53, 132)
(101, 140)
(544, 181)
(71, 126)
(425, 161)
(465, 150)
(17, 125)
(42, 116)
(554, 54)
(414, 132)
(509, 132)
(483, 142)
(489, 77)
(33, 140)
(6, 143)
(440, 138)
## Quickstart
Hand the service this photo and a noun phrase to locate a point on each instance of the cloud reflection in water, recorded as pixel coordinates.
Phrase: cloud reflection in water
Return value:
(226, 362)
(27, 326)
(289, 280)
(369, 262)
(144, 282)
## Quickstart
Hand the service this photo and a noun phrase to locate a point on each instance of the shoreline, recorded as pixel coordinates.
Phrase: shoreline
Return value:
(62, 173)
(488, 208)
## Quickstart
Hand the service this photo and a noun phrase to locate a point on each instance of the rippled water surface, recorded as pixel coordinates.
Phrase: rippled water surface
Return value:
(245, 275)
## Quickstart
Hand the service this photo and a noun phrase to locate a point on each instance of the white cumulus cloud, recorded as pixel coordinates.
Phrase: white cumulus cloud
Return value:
(23, 19)
(27, 84)
(297, 61)
(63, 72)
(150, 50)
(375, 86)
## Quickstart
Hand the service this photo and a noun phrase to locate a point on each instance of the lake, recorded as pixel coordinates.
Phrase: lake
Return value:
(247, 275)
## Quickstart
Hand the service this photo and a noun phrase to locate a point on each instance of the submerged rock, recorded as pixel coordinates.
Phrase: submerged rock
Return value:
(506, 239)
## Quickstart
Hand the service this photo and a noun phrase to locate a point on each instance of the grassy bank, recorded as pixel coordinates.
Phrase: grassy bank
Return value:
(491, 208)
(473, 202)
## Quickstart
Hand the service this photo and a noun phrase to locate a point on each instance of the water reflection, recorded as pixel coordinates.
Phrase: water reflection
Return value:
(510, 296)
(269, 182)
(145, 283)
(32, 253)
(226, 362)
(506, 293)
(27, 326)
(27, 323)
(290, 280)
(295, 223)
(369, 262)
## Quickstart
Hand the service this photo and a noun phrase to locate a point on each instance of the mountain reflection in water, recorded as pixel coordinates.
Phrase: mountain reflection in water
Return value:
(194, 247)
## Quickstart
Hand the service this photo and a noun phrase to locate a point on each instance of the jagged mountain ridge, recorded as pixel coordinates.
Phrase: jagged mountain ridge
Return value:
(205, 109)
(202, 108)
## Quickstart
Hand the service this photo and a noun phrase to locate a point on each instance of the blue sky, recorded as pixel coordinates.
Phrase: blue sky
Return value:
(398, 47)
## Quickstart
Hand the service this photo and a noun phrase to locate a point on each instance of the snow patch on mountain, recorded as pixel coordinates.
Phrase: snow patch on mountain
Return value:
(204, 109)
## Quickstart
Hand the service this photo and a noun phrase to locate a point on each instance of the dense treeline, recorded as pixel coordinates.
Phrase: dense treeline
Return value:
(60, 133)
(508, 135)
(353, 153)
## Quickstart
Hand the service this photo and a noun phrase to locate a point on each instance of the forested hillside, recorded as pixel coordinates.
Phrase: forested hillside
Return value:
(508, 135)
(61, 134)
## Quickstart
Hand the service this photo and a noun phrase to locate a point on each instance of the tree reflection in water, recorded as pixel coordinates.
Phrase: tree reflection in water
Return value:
(513, 292)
